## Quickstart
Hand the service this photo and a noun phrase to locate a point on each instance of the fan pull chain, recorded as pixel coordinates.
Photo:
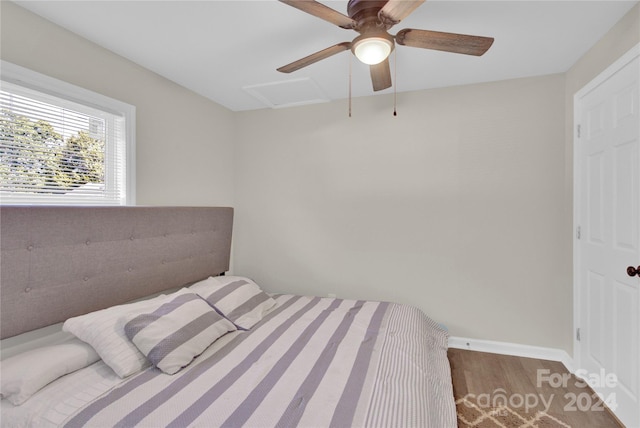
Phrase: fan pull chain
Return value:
(395, 81)
(349, 85)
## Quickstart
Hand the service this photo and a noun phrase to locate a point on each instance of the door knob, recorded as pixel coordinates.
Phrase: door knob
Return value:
(631, 271)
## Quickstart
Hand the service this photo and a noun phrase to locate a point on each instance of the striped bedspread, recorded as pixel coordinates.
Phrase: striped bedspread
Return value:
(311, 362)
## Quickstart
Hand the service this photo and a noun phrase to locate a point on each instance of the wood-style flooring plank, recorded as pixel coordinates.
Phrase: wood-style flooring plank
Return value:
(485, 376)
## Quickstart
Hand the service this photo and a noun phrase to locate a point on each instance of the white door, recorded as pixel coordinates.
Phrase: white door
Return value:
(607, 216)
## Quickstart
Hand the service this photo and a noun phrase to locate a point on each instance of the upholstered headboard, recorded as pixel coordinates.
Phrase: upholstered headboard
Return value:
(59, 262)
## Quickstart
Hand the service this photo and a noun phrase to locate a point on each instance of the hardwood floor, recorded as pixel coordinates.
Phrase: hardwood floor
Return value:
(530, 385)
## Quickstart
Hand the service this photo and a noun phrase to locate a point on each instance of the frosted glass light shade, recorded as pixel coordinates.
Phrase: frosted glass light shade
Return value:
(372, 50)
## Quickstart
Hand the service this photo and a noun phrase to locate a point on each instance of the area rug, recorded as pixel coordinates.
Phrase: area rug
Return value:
(471, 415)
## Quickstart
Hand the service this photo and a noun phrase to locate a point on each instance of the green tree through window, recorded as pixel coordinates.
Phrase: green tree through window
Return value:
(35, 158)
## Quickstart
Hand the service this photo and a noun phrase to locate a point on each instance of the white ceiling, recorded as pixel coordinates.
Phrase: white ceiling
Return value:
(216, 48)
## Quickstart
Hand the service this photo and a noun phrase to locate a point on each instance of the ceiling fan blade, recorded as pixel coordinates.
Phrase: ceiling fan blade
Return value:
(315, 57)
(381, 75)
(397, 10)
(321, 11)
(448, 42)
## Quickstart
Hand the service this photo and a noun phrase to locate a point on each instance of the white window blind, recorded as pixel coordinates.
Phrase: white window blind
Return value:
(60, 144)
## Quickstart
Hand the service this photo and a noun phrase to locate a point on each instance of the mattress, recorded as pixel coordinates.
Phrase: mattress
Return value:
(311, 362)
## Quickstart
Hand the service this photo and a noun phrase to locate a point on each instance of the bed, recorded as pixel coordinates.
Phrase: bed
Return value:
(135, 304)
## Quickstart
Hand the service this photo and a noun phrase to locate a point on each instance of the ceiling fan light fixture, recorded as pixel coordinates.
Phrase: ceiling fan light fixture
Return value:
(373, 49)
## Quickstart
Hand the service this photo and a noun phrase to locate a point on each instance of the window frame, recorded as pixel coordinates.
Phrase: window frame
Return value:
(49, 86)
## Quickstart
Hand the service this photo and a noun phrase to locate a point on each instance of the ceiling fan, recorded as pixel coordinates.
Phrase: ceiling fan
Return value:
(373, 19)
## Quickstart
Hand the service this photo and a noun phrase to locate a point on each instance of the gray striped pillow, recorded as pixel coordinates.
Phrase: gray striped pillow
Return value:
(238, 299)
(177, 332)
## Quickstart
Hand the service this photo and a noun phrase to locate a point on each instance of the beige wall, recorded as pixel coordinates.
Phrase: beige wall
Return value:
(455, 206)
(184, 142)
(620, 39)
(461, 206)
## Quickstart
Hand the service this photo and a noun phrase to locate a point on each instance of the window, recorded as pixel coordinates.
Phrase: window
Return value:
(61, 144)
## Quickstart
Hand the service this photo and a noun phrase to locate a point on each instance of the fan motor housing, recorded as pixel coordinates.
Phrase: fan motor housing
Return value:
(365, 13)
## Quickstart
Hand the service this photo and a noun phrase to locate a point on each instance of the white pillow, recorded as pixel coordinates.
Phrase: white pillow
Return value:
(25, 374)
(104, 330)
(176, 332)
(239, 299)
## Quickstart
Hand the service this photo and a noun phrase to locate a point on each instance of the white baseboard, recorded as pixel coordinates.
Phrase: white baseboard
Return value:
(516, 349)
